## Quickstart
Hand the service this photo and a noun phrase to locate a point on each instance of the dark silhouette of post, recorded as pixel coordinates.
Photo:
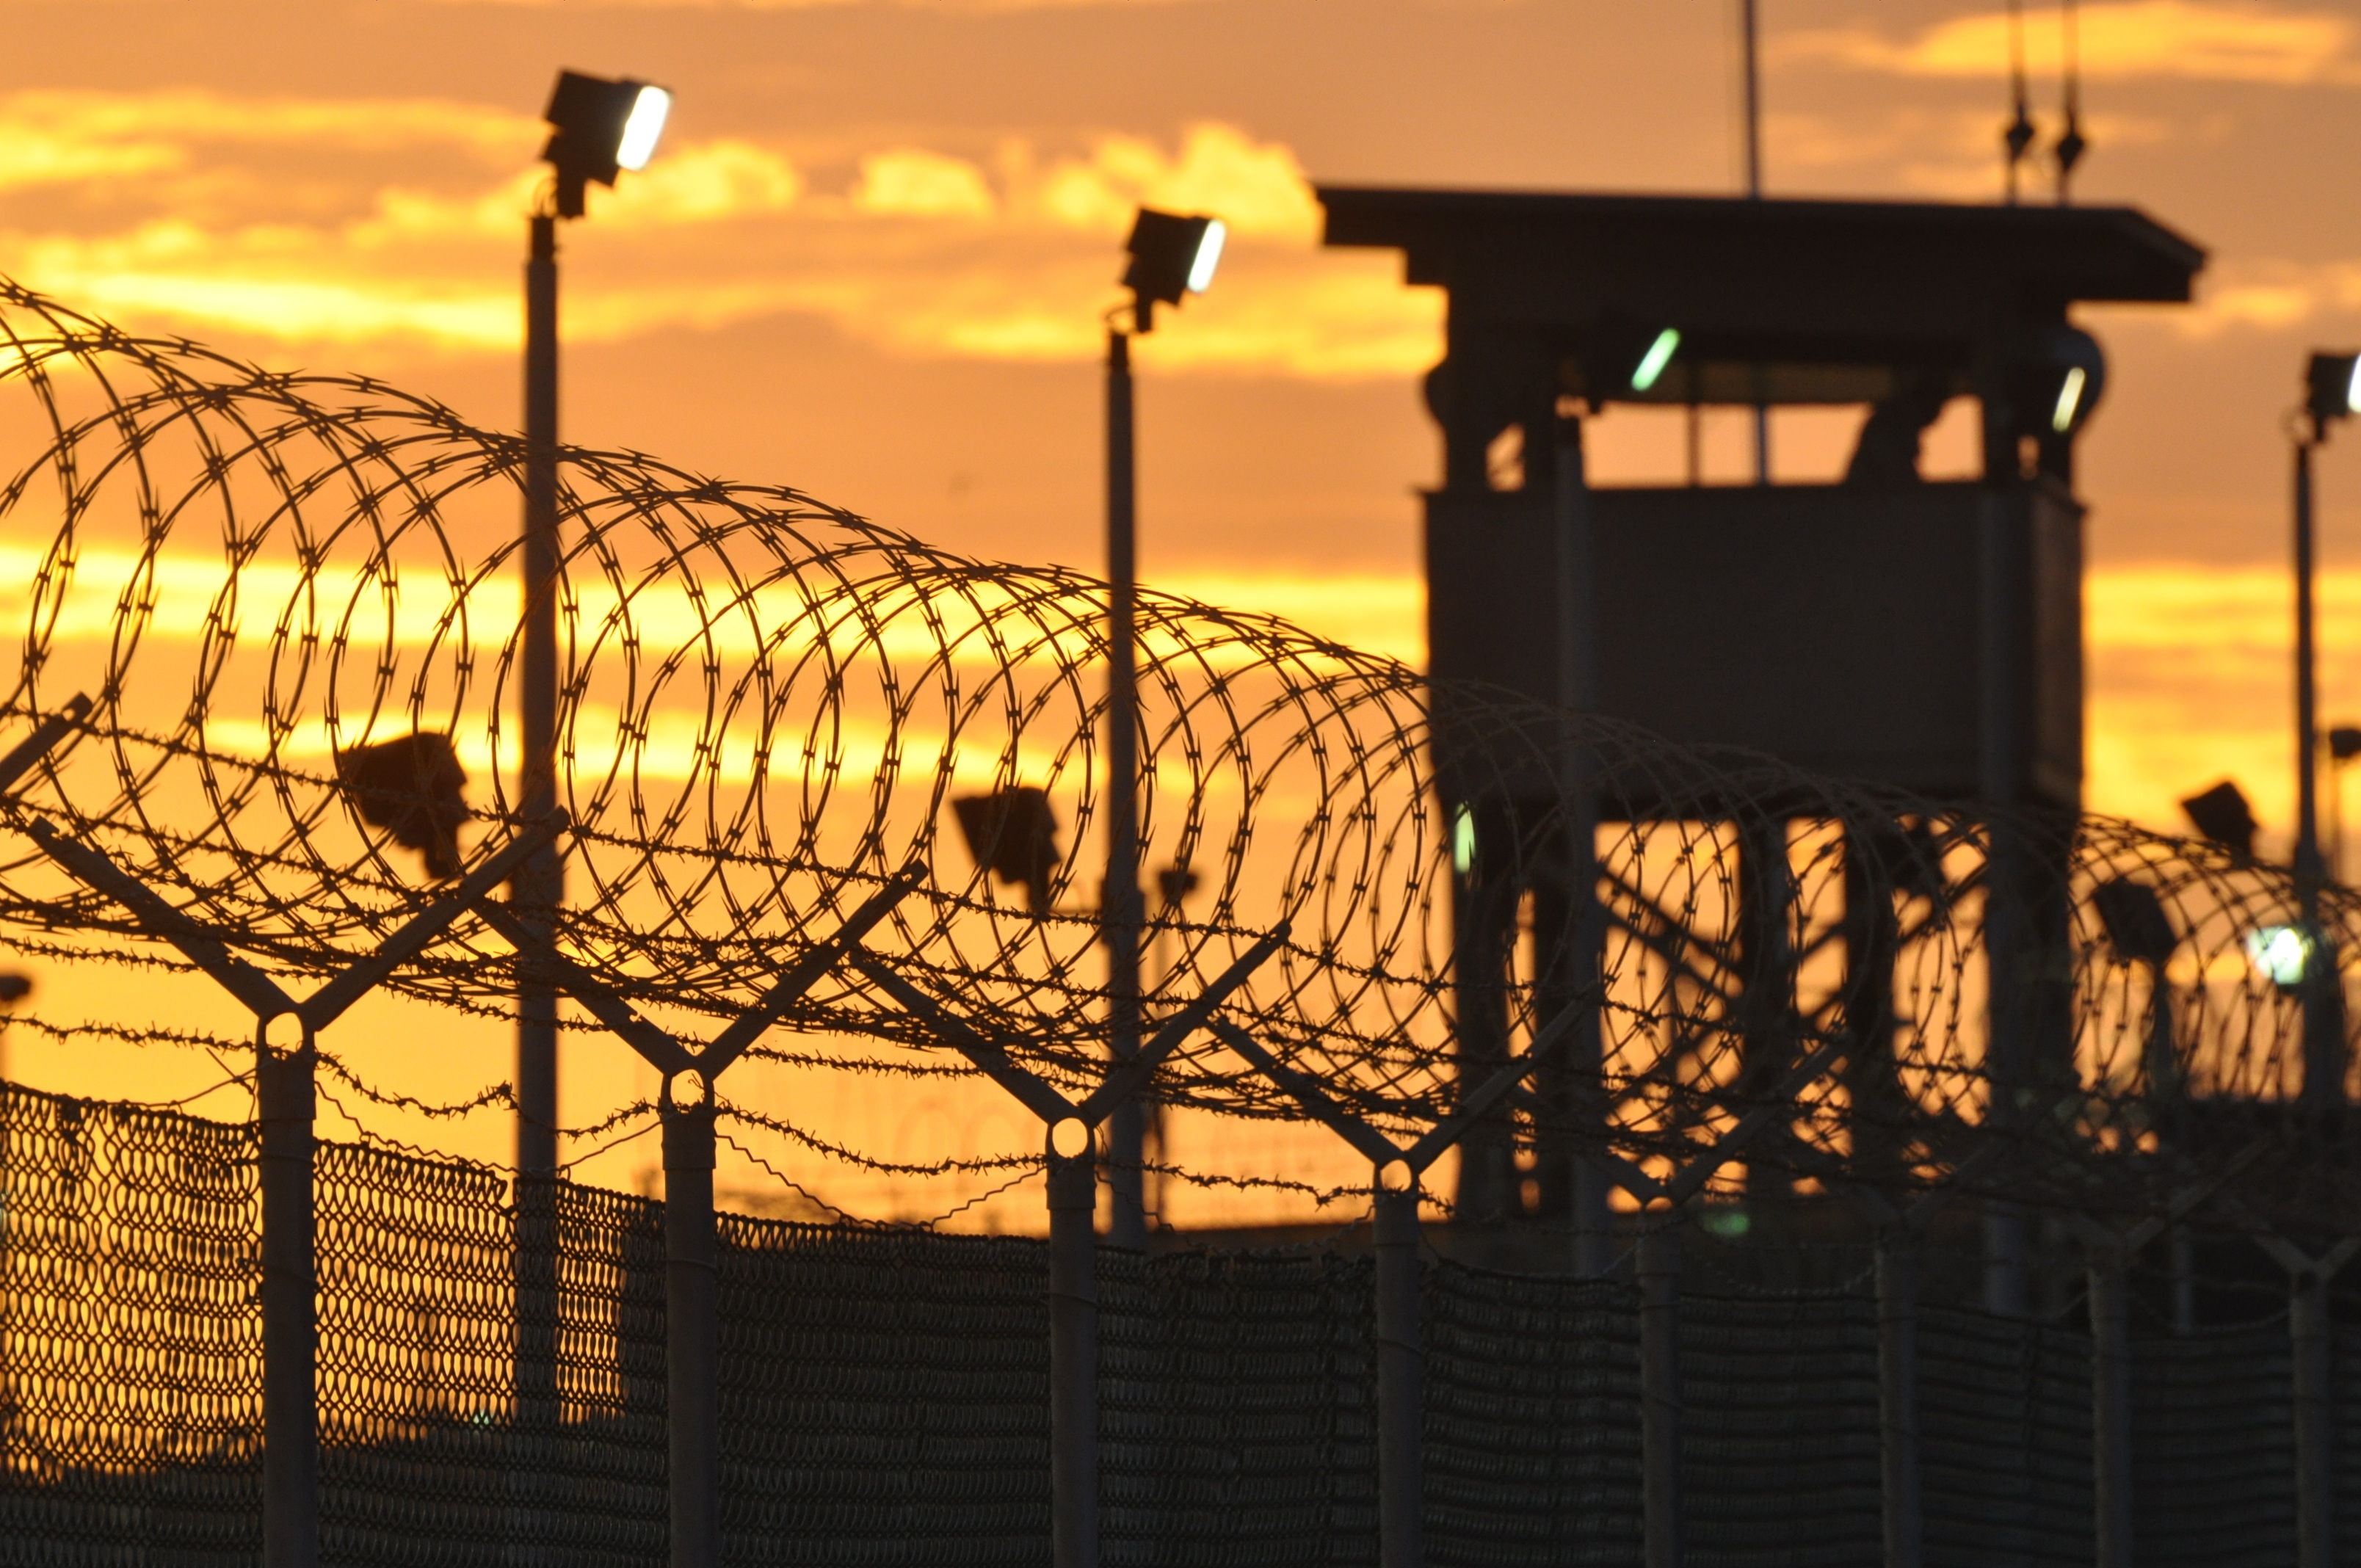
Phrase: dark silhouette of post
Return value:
(286, 1057)
(1073, 1241)
(687, 1110)
(1394, 1196)
(1119, 900)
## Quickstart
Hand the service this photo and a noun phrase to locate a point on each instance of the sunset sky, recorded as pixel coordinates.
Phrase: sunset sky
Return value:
(872, 258)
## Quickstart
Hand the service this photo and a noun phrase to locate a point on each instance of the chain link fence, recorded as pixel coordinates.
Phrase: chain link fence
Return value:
(885, 1392)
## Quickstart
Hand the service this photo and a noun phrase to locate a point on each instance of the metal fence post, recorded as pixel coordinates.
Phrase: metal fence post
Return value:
(1897, 1394)
(692, 1323)
(1073, 1353)
(2111, 1407)
(1402, 1374)
(284, 1103)
(2316, 1474)
(1659, 1264)
(2309, 1345)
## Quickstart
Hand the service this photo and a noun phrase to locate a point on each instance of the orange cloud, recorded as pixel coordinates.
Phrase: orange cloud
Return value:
(2219, 40)
(927, 253)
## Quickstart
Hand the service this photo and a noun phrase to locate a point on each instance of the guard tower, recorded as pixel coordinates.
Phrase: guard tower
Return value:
(1925, 635)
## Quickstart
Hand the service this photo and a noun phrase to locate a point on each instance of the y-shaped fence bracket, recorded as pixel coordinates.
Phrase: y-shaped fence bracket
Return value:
(2309, 1339)
(2110, 1252)
(286, 1055)
(1899, 1228)
(1073, 1200)
(1401, 1475)
(686, 1108)
(1657, 1263)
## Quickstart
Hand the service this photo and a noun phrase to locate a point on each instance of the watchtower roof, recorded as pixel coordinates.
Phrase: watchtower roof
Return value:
(1793, 282)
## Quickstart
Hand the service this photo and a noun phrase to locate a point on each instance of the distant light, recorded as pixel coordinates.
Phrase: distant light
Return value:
(1172, 255)
(2333, 384)
(2280, 952)
(2070, 398)
(1728, 1224)
(644, 129)
(1209, 256)
(1659, 354)
(1463, 841)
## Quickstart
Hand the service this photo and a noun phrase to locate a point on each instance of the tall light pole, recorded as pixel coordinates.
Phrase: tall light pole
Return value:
(2333, 385)
(1171, 258)
(598, 129)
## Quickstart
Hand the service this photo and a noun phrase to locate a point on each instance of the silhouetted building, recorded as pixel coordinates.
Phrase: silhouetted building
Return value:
(1922, 634)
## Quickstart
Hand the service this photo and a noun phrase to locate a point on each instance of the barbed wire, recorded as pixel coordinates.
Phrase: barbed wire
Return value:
(295, 602)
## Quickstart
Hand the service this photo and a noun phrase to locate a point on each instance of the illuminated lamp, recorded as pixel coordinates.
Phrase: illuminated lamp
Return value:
(2280, 954)
(1171, 258)
(1660, 351)
(2060, 382)
(599, 128)
(2333, 384)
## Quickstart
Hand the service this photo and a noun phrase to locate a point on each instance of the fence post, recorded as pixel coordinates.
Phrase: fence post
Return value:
(1074, 1348)
(2111, 1407)
(2310, 1342)
(1401, 1374)
(2316, 1474)
(1659, 1265)
(692, 1322)
(1897, 1394)
(285, 1105)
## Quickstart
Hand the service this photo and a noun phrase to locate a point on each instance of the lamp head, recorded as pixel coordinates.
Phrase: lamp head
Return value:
(1013, 834)
(2333, 388)
(1171, 258)
(2059, 380)
(2136, 926)
(598, 129)
(2223, 818)
(1619, 359)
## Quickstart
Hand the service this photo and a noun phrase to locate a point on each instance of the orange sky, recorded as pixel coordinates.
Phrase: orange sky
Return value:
(871, 258)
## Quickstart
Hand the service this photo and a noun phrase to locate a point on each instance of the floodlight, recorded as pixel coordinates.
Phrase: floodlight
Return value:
(2345, 742)
(2223, 816)
(598, 128)
(2136, 926)
(1463, 841)
(1171, 255)
(15, 988)
(2281, 953)
(2333, 381)
(413, 788)
(1013, 834)
(1651, 364)
(2069, 399)
(2062, 375)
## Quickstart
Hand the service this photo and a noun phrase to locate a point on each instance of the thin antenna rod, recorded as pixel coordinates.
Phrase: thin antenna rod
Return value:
(2018, 136)
(1754, 100)
(2071, 142)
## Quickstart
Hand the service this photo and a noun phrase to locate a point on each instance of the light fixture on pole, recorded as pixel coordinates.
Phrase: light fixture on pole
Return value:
(1172, 256)
(598, 129)
(2332, 391)
(2343, 745)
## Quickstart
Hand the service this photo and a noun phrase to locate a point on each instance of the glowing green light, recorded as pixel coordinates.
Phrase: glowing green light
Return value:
(2280, 952)
(1659, 354)
(2069, 399)
(1463, 841)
